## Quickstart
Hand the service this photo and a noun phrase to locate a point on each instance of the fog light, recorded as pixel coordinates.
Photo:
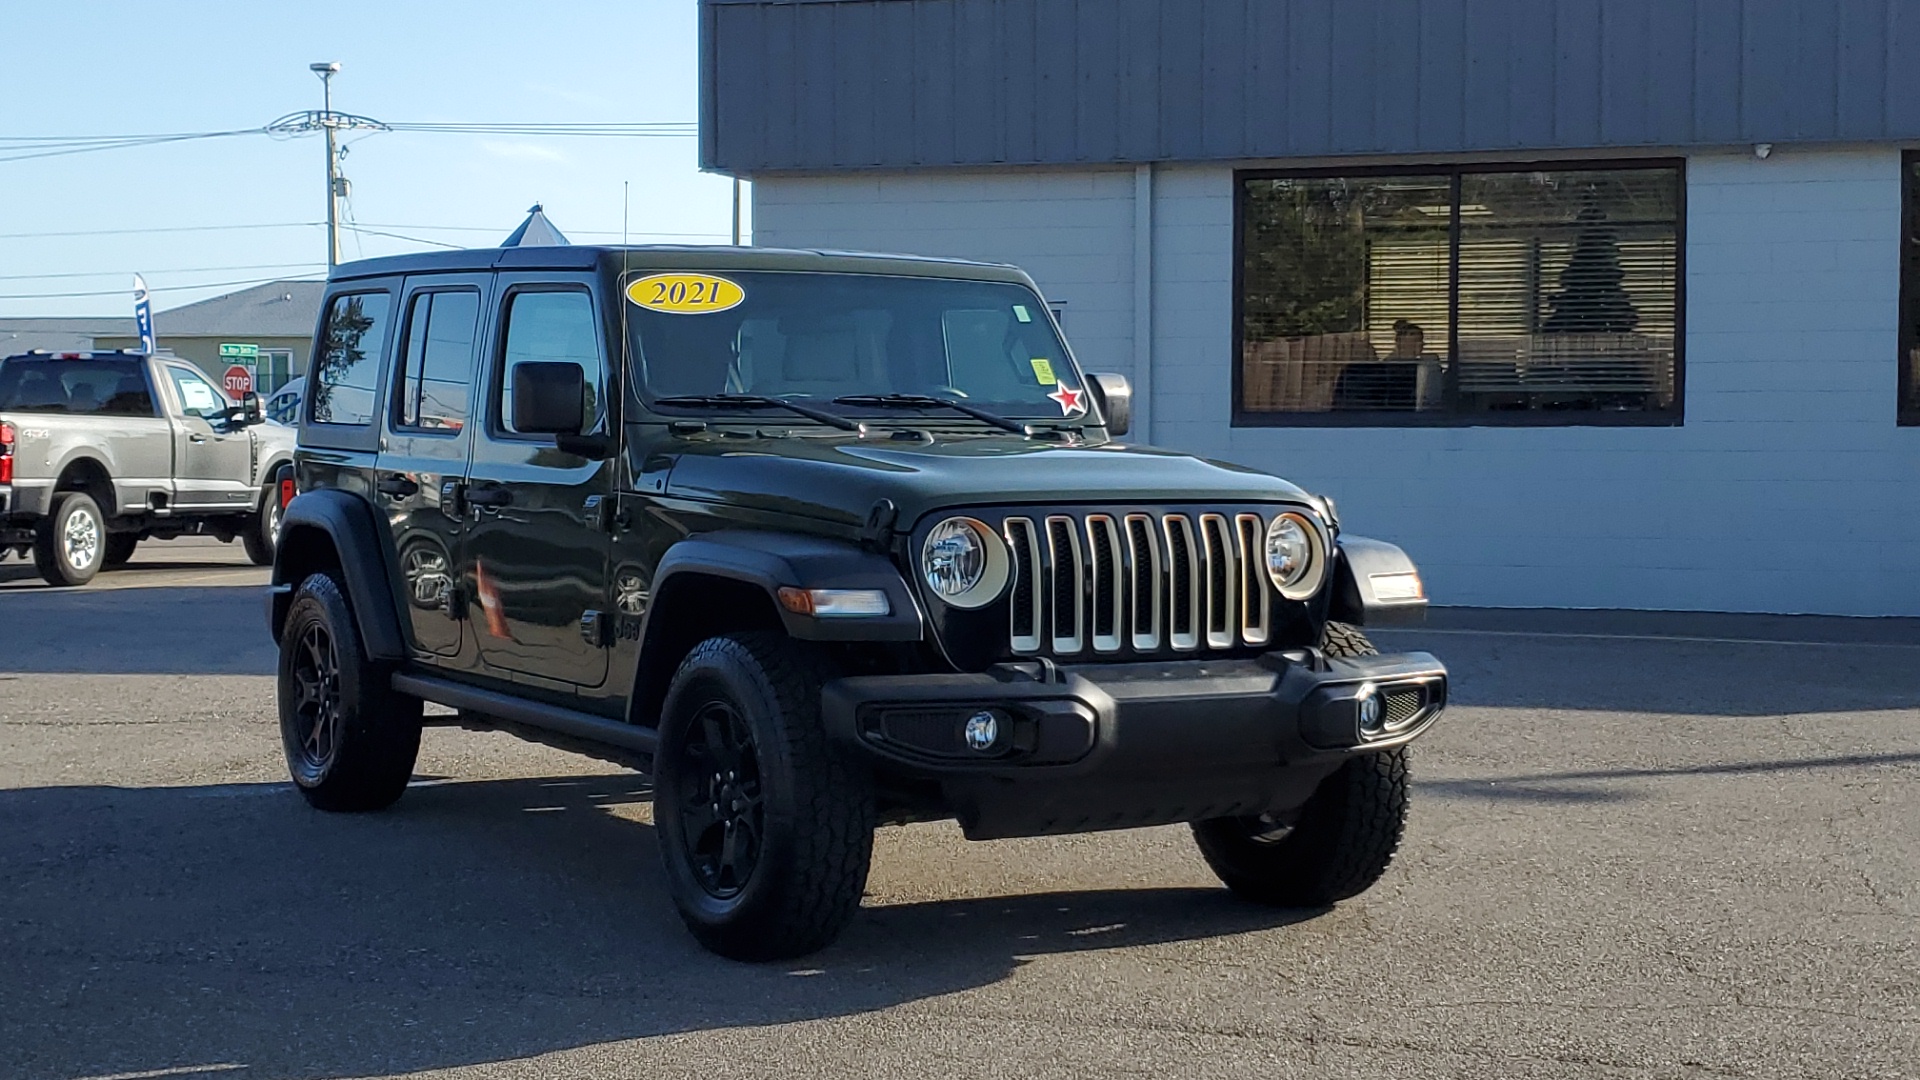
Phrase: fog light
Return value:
(982, 731)
(1371, 709)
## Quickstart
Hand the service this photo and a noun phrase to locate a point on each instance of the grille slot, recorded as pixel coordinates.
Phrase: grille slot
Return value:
(1219, 569)
(1148, 595)
(1256, 601)
(1025, 631)
(1184, 585)
(1108, 581)
(1112, 583)
(1066, 589)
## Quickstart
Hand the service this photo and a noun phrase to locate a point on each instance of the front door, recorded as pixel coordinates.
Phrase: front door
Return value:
(212, 459)
(423, 458)
(536, 548)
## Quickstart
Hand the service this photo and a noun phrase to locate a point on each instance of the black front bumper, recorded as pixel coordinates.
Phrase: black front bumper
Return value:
(1104, 746)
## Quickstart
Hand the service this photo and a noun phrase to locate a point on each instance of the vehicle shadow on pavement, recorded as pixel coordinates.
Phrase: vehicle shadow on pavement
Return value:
(1562, 787)
(231, 931)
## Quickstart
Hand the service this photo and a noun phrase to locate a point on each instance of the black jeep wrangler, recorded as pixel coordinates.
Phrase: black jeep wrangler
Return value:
(821, 542)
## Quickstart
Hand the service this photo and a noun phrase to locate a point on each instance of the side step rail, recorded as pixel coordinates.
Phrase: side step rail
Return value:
(514, 714)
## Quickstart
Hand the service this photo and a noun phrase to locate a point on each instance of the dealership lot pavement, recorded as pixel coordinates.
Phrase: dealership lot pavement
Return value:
(1640, 847)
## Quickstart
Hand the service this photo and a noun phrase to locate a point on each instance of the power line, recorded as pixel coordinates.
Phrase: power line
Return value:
(124, 292)
(50, 148)
(177, 270)
(396, 236)
(160, 229)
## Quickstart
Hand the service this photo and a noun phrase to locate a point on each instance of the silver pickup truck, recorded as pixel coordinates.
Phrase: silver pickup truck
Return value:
(100, 450)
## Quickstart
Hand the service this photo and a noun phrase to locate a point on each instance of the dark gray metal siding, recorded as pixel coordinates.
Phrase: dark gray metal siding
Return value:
(819, 84)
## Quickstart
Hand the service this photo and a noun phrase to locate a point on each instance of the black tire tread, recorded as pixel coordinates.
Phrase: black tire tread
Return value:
(118, 550)
(381, 739)
(259, 546)
(1346, 835)
(832, 848)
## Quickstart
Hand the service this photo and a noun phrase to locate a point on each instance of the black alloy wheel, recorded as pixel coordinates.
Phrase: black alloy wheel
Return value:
(313, 739)
(765, 825)
(350, 740)
(723, 817)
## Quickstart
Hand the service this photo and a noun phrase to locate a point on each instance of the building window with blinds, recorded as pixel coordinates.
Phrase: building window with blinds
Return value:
(1450, 296)
(1909, 410)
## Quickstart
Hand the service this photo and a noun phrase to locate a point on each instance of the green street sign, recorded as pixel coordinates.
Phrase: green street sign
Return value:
(230, 350)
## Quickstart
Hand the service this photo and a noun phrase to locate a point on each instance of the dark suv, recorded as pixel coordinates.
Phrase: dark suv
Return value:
(821, 542)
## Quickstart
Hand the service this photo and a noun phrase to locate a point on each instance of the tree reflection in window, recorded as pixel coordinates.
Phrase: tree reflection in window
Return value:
(348, 368)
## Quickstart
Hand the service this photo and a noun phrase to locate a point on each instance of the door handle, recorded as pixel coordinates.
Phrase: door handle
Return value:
(196, 437)
(491, 495)
(398, 485)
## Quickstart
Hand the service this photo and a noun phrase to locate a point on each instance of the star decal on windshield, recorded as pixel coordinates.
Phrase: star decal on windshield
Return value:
(1068, 398)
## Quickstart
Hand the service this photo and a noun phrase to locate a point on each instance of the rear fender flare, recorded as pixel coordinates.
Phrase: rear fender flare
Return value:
(348, 526)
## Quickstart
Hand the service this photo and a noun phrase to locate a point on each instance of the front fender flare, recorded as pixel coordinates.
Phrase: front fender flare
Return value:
(1357, 595)
(771, 561)
(355, 533)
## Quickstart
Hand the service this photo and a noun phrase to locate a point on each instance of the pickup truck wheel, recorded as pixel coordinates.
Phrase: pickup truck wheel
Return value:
(1337, 845)
(262, 532)
(350, 740)
(69, 544)
(120, 549)
(765, 827)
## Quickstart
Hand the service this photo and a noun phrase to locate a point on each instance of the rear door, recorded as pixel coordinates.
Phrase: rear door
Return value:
(423, 457)
(535, 548)
(212, 459)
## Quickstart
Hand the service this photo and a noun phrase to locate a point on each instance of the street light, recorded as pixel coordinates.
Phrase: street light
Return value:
(327, 69)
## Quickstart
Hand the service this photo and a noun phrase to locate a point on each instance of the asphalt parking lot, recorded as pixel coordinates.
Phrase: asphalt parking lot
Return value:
(1640, 846)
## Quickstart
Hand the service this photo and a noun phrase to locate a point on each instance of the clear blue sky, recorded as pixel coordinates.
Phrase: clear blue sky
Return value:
(88, 67)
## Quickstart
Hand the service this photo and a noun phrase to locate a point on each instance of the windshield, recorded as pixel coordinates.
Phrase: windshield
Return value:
(818, 337)
(75, 387)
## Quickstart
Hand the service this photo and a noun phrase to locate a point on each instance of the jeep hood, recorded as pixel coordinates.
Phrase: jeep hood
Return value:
(841, 478)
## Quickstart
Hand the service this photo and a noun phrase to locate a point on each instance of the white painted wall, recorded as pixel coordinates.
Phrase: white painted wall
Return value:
(1789, 489)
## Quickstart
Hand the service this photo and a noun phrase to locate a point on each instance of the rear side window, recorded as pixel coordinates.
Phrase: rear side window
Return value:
(438, 364)
(346, 374)
(76, 387)
(553, 326)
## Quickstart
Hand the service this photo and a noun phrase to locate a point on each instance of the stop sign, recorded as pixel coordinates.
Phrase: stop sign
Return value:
(238, 381)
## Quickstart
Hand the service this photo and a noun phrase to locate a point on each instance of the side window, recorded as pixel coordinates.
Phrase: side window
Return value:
(347, 371)
(438, 361)
(553, 326)
(197, 395)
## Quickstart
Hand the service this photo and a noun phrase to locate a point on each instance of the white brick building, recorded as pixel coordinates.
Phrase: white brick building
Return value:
(1734, 443)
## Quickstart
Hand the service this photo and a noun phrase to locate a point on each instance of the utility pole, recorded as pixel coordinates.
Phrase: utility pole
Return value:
(327, 70)
(331, 124)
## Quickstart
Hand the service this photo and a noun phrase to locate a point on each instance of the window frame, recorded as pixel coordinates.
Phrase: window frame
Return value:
(1674, 416)
(496, 421)
(340, 434)
(1906, 379)
(396, 419)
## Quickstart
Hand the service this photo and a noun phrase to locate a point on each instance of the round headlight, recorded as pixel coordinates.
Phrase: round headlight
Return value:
(964, 563)
(1296, 560)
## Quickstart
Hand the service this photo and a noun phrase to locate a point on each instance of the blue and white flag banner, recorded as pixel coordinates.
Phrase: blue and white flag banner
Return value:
(143, 314)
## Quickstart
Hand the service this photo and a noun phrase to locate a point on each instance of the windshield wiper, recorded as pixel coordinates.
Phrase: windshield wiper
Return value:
(757, 401)
(928, 401)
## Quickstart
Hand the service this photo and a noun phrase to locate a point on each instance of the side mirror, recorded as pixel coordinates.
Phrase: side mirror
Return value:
(549, 398)
(1116, 401)
(251, 409)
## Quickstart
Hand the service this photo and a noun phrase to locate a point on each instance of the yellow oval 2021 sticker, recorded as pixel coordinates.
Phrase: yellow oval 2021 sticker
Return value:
(686, 294)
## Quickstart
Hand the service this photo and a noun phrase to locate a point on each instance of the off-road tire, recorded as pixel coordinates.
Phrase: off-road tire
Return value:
(119, 550)
(53, 555)
(815, 801)
(1343, 839)
(366, 762)
(261, 535)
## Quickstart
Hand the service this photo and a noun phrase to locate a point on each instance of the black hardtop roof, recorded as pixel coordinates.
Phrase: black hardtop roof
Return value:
(712, 258)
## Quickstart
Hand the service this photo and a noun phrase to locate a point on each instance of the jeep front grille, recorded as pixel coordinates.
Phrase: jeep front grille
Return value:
(1103, 583)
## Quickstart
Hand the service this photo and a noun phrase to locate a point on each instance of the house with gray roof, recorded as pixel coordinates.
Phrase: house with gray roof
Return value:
(277, 319)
